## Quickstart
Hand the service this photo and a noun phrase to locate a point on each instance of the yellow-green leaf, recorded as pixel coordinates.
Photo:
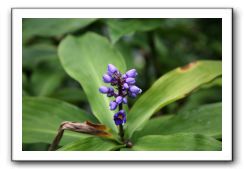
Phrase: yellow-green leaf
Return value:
(206, 120)
(91, 144)
(85, 59)
(177, 142)
(169, 88)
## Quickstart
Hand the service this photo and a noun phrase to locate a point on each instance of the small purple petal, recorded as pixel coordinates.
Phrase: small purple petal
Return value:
(111, 90)
(118, 121)
(132, 95)
(124, 120)
(131, 73)
(114, 82)
(107, 78)
(122, 112)
(119, 99)
(135, 89)
(104, 89)
(130, 81)
(112, 69)
(125, 86)
(113, 105)
(125, 100)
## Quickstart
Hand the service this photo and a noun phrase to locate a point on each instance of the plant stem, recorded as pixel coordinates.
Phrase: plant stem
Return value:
(121, 132)
(121, 129)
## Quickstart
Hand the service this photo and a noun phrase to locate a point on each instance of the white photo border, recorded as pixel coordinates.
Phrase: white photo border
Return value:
(16, 51)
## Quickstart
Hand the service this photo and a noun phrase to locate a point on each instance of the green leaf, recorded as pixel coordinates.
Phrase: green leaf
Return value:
(127, 52)
(91, 144)
(169, 88)
(69, 94)
(85, 59)
(38, 53)
(215, 82)
(201, 97)
(177, 142)
(46, 71)
(35, 147)
(122, 27)
(50, 27)
(24, 81)
(206, 120)
(45, 81)
(43, 116)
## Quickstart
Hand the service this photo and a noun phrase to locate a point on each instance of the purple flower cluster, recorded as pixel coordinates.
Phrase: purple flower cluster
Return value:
(123, 85)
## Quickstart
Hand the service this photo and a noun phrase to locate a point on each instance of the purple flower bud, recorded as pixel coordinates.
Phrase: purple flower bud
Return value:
(132, 95)
(111, 90)
(131, 73)
(112, 69)
(119, 99)
(113, 105)
(107, 78)
(135, 89)
(120, 117)
(125, 86)
(114, 82)
(125, 100)
(104, 89)
(130, 81)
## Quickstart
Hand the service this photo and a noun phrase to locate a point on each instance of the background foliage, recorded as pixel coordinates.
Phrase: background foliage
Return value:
(152, 46)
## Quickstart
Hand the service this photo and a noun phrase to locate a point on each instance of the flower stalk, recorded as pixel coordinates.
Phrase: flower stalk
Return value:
(121, 128)
(123, 85)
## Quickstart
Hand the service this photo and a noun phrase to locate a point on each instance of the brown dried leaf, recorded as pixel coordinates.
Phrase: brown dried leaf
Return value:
(85, 127)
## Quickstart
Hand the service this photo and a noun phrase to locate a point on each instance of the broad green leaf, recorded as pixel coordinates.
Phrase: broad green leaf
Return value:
(69, 94)
(177, 142)
(169, 88)
(215, 82)
(52, 27)
(201, 97)
(91, 144)
(122, 27)
(43, 116)
(45, 81)
(206, 120)
(85, 59)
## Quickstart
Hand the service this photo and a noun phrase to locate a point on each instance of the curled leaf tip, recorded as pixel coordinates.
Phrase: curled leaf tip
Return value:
(97, 126)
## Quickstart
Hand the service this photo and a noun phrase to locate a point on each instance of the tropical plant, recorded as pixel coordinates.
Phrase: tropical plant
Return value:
(52, 100)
